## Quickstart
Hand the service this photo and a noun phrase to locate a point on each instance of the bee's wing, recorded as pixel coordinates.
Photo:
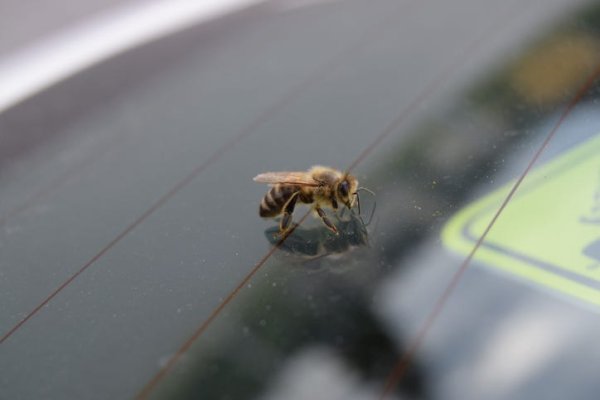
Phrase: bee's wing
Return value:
(287, 178)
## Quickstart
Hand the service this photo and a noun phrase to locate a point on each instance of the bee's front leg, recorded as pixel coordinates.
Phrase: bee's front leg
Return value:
(326, 220)
(288, 210)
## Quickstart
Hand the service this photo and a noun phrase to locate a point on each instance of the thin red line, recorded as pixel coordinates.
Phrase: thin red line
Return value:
(251, 128)
(121, 235)
(402, 365)
(151, 385)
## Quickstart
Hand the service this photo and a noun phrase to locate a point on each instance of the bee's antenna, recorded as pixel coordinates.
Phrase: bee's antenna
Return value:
(366, 190)
(358, 198)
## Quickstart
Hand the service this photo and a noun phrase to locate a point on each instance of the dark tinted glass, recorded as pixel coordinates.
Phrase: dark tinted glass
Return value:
(133, 260)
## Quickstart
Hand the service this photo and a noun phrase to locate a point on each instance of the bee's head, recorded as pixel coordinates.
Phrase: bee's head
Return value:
(346, 190)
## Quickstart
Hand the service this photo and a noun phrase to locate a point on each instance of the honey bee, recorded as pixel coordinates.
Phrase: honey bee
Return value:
(319, 186)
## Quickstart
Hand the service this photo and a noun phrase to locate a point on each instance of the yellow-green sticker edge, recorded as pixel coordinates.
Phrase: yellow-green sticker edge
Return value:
(455, 233)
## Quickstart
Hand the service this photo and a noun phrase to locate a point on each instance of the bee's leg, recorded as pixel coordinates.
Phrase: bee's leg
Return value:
(288, 210)
(326, 220)
(334, 203)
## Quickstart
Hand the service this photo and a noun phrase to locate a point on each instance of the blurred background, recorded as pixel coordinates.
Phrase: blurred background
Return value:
(133, 262)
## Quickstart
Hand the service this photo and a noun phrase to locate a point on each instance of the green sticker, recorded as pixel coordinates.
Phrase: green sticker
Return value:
(549, 233)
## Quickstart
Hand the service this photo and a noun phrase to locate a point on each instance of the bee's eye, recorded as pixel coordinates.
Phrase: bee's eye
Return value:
(344, 189)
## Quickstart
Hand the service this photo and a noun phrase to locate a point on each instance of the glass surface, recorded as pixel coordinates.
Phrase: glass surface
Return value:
(133, 261)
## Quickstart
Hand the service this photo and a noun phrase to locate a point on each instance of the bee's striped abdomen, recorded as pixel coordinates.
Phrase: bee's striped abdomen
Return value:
(273, 202)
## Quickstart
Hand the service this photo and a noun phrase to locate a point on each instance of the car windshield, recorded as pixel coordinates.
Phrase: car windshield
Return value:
(463, 264)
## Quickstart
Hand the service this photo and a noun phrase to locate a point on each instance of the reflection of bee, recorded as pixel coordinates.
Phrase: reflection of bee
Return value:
(314, 243)
(319, 186)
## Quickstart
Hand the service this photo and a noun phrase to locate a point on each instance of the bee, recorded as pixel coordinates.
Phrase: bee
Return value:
(319, 186)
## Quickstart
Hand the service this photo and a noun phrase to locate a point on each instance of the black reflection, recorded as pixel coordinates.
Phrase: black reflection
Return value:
(287, 311)
(281, 316)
